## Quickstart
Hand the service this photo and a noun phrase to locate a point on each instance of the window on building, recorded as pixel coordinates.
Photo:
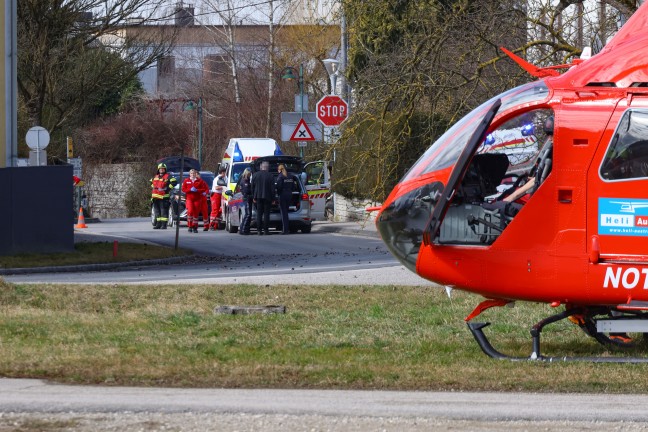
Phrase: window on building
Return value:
(166, 74)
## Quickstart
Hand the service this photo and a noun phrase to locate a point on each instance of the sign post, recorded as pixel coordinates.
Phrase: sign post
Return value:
(332, 110)
(38, 139)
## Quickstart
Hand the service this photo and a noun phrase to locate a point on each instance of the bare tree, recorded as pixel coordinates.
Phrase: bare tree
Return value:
(270, 13)
(230, 14)
(70, 54)
(418, 67)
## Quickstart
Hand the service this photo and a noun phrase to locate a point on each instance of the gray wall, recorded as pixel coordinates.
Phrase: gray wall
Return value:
(36, 208)
(107, 187)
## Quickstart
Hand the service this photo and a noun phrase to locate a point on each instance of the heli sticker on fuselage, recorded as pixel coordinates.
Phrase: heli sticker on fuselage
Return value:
(625, 217)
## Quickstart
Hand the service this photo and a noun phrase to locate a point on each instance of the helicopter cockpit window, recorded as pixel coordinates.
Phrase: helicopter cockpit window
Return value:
(446, 150)
(627, 155)
(509, 165)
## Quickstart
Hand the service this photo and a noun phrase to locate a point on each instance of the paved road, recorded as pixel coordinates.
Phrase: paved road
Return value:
(33, 402)
(349, 253)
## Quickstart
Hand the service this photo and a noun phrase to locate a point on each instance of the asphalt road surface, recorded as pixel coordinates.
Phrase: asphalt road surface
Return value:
(322, 256)
(27, 405)
(319, 257)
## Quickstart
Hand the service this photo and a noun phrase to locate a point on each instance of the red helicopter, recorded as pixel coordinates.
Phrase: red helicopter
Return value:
(541, 194)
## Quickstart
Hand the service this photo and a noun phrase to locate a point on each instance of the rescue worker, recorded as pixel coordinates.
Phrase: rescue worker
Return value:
(161, 186)
(216, 197)
(204, 208)
(285, 185)
(194, 188)
(246, 191)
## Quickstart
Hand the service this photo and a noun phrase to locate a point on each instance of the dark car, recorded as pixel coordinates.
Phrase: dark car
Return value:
(299, 212)
(178, 206)
(174, 163)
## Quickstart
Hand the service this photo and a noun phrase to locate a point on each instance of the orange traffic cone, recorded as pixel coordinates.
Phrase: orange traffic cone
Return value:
(81, 221)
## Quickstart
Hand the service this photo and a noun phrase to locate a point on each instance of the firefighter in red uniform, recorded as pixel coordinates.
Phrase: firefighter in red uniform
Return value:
(161, 184)
(195, 189)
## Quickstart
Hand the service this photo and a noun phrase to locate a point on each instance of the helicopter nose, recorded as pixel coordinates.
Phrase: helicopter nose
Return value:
(401, 224)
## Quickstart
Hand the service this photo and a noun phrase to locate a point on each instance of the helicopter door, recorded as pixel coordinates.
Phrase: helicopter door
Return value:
(617, 203)
(508, 166)
(454, 182)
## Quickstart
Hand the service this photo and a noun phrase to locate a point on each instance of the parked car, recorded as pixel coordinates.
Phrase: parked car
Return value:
(174, 163)
(178, 206)
(299, 212)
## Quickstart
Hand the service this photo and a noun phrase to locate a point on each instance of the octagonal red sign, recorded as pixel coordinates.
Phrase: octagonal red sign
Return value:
(332, 110)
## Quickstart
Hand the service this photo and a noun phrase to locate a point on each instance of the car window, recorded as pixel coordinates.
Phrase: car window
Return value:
(237, 170)
(315, 173)
(298, 186)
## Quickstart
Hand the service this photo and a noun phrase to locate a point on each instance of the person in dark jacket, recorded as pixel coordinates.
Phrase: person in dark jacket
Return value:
(246, 191)
(285, 185)
(263, 189)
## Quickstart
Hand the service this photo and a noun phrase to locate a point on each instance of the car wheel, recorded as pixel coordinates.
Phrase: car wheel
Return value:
(171, 217)
(228, 225)
(306, 229)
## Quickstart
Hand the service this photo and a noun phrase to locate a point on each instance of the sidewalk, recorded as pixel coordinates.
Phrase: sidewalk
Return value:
(363, 228)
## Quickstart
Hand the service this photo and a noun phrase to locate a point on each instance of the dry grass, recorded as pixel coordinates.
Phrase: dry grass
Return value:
(92, 253)
(331, 337)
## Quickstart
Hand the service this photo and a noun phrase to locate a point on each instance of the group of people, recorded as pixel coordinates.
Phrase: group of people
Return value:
(197, 193)
(259, 190)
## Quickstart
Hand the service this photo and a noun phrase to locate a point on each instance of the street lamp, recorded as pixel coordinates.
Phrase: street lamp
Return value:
(331, 66)
(288, 74)
(191, 105)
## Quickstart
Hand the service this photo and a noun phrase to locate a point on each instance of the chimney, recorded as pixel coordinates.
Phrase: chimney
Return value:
(184, 15)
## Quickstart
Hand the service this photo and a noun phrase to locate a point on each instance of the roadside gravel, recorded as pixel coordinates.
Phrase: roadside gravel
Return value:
(200, 422)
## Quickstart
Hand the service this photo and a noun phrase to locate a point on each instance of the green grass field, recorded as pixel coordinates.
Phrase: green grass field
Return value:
(338, 337)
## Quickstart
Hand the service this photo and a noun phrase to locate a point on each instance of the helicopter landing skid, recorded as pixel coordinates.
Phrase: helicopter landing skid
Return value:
(477, 331)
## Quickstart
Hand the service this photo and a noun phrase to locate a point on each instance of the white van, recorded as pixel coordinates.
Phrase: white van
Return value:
(239, 154)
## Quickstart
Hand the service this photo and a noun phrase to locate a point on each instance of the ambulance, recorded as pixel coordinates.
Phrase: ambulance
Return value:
(239, 154)
(318, 185)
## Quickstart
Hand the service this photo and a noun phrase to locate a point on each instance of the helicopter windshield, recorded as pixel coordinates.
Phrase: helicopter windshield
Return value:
(402, 224)
(446, 150)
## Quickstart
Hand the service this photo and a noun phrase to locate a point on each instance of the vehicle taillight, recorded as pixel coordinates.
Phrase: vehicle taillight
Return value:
(304, 197)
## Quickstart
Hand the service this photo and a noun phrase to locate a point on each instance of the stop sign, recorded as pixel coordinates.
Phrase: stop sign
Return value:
(332, 110)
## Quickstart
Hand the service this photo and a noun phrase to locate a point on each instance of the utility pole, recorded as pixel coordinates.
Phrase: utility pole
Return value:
(9, 110)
